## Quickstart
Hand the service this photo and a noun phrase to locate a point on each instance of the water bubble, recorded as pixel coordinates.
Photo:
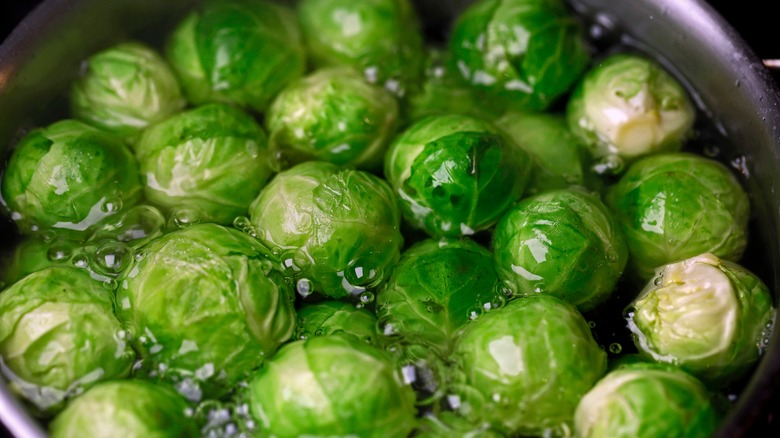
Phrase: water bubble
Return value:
(59, 253)
(48, 235)
(111, 205)
(186, 217)
(111, 258)
(609, 165)
(304, 287)
(592, 324)
(366, 297)
(615, 348)
(110, 284)
(474, 313)
(242, 223)
(80, 261)
(711, 150)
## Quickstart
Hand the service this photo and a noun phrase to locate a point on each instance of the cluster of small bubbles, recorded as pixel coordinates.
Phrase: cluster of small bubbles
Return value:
(111, 258)
(766, 337)
(244, 224)
(224, 419)
(186, 217)
(111, 205)
(304, 287)
(615, 348)
(609, 165)
(364, 299)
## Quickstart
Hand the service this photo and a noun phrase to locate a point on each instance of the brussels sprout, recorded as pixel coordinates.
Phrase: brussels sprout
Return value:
(646, 401)
(69, 176)
(333, 115)
(337, 230)
(526, 53)
(436, 288)
(211, 161)
(129, 408)
(335, 317)
(126, 88)
(204, 308)
(381, 38)
(455, 175)
(629, 106)
(447, 424)
(331, 386)
(564, 243)
(523, 368)
(242, 52)
(675, 206)
(445, 92)
(559, 160)
(59, 335)
(709, 316)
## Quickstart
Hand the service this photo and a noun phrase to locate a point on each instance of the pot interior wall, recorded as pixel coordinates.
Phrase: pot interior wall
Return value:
(44, 54)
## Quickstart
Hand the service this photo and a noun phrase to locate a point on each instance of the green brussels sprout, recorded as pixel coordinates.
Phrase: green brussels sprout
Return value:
(331, 386)
(381, 38)
(445, 92)
(211, 161)
(436, 288)
(559, 160)
(59, 335)
(69, 176)
(676, 206)
(526, 53)
(455, 175)
(629, 106)
(564, 243)
(204, 307)
(242, 52)
(447, 424)
(646, 401)
(126, 88)
(523, 368)
(708, 316)
(336, 317)
(333, 115)
(130, 408)
(337, 230)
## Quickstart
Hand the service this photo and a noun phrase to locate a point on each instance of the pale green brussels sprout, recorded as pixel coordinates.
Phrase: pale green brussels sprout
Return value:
(331, 386)
(563, 243)
(126, 88)
(129, 408)
(333, 115)
(523, 368)
(646, 401)
(455, 175)
(336, 318)
(447, 424)
(711, 317)
(59, 336)
(381, 38)
(69, 176)
(436, 289)
(242, 52)
(629, 106)
(675, 206)
(210, 162)
(337, 231)
(204, 308)
(523, 53)
(559, 159)
(445, 92)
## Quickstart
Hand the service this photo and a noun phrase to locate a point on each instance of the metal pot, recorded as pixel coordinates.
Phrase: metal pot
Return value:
(43, 54)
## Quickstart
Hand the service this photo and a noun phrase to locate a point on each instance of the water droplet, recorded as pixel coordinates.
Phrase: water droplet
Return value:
(615, 348)
(111, 205)
(111, 258)
(592, 324)
(48, 235)
(304, 287)
(110, 284)
(711, 150)
(366, 297)
(609, 165)
(80, 261)
(475, 313)
(242, 223)
(186, 217)
(59, 252)
(658, 280)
